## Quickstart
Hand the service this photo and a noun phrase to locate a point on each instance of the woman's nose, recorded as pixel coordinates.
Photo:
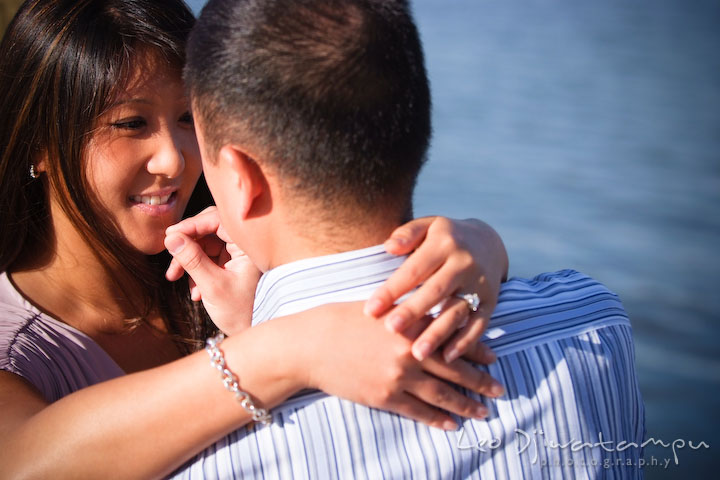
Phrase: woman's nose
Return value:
(168, 160)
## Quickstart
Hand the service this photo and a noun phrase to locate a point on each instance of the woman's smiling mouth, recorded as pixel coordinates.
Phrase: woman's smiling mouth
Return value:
(151, 199)
(158, 203)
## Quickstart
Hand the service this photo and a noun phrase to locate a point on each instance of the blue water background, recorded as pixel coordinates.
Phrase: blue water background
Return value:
(587, 132)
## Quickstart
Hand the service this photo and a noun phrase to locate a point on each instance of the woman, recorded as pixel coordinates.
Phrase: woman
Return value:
(98, 158)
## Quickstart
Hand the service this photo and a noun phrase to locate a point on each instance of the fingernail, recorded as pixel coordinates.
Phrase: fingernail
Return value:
(373, 307)
(497, 390)
(175, 244)
(449, 425)
(421, 351)
(452, 355)
(395, 322)
(481, 411)
(400, 241)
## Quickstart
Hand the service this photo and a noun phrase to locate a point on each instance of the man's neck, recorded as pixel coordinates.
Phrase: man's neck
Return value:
(306, 283)
(314, 239)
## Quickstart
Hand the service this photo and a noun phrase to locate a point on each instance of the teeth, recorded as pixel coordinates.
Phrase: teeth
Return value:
(151, 200)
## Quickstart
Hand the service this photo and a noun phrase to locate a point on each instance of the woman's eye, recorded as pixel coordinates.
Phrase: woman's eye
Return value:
(186, 118)
(130, 124)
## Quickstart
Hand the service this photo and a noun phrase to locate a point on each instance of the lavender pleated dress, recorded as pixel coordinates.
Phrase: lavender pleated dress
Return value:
(54, 357)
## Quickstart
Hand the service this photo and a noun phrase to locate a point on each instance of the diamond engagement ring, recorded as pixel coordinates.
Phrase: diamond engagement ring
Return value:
(472, 300)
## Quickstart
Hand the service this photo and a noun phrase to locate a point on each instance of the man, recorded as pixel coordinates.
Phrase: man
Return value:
(314, 120)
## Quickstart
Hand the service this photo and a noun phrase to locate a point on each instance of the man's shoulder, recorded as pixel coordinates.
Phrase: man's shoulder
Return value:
(552, 306)
(569, 277)
(551, 288)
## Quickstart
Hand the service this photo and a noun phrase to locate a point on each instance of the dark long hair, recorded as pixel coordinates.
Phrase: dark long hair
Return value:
(61, 64)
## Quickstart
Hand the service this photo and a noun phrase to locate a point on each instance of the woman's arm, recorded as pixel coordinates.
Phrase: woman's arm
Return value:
(446, 257)
(369, 364)
(219, 285)
(147, 424)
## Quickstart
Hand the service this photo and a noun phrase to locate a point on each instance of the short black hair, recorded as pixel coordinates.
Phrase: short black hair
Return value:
(333, 92)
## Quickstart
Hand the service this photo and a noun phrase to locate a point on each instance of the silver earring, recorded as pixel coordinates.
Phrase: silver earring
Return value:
(33, 174)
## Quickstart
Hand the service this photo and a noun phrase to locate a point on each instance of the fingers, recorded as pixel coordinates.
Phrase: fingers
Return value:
(414, 409)
(436, 289)
(192, 258)
(175, 271)
(211, 245)
(439, 394)
(465, 375)
(479, 352)
(406, 238)
(454, 316)
(411, 273)
(447, 263)
(204, 223)
(456, 322)
(195, 294)
(467, 338)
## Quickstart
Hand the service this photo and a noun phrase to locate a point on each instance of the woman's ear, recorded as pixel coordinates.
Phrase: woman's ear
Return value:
(40, 162)
(245, 178)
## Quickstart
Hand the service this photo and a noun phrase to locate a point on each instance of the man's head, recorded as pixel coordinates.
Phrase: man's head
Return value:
(327, 100)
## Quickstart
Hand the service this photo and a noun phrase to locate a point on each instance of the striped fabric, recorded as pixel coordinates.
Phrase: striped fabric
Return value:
(565, 356)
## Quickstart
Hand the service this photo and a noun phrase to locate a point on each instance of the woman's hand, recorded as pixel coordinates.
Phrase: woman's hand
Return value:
(345, 353)
(355, 357)
(221, 275)
(450, 257)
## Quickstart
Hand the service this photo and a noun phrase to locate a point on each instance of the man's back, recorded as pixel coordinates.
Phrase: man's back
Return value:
(314, 121)
(565, 356)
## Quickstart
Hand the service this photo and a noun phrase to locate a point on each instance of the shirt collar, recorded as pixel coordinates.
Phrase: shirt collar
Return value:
(310, 282)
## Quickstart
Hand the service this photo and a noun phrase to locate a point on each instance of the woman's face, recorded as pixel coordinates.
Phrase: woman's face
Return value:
(143, 160)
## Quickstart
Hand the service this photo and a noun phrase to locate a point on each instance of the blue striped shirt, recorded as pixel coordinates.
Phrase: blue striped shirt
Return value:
(565, 355)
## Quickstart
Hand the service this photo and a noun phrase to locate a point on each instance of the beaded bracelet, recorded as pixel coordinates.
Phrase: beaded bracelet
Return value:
(230, 380)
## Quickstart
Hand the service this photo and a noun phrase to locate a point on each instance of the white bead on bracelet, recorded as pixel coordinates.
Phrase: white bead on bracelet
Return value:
(230, 380)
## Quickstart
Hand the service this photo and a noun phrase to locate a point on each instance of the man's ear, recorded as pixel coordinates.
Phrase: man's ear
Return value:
(246, 176)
